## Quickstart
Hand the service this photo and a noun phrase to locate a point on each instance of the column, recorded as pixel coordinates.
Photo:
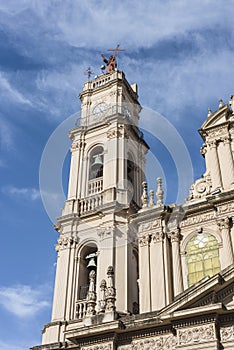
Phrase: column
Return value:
(72, 188)
(158, 289)
(226, 162)
(176, 261)
(224, 226)
(144, 274)
(214, 168)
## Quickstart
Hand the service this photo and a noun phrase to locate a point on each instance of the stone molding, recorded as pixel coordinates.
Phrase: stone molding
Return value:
(189, 336)
(196, 335)
(98, 347)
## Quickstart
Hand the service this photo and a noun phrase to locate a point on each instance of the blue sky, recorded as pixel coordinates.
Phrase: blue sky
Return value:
(181, 55)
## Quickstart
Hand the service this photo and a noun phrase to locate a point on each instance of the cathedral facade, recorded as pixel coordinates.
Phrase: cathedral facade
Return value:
(132, 272)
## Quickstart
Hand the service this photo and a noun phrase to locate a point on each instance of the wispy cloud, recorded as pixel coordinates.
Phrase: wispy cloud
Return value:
(27, 193)
(9, 91)
(23, 300)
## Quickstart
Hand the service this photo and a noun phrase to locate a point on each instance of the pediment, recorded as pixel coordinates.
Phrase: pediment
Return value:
(211, 293)
(217, 118)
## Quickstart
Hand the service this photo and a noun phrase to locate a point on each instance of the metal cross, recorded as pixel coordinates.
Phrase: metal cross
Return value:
(116, 50)
(88, 72)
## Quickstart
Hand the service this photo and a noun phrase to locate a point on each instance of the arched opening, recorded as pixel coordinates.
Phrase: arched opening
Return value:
(96, 164)
(87, 262)
(202, 256)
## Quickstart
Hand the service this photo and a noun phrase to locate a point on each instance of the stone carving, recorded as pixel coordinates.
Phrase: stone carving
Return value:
(77, 145)
(104, 232)
(196, 334)
(217, 132)
(159, 192)
(144, 197)
(198, 218)
(151, 201)
(144, 240)
(200, 188)
(227, 333)
(224, 224)
(91, 297)
(110, 293)
(150, 225)
(102, 301)
(174, 235)
(157, 237)
(157, 343)
(226, 208)
(65, 242)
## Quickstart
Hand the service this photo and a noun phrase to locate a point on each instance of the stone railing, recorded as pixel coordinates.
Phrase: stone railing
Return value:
(95, 186)
(81, 309)
(90, 203)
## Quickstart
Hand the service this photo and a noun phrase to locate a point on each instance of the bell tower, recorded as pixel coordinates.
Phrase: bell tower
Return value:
(97, 265)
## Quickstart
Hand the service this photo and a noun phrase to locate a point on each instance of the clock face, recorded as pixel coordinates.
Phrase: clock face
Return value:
(99, 109)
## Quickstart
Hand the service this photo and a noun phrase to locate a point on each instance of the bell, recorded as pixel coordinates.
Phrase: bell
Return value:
(97, 161)
(91, 264)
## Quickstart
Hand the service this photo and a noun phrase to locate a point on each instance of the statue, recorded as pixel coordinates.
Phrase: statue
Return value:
(111, 63)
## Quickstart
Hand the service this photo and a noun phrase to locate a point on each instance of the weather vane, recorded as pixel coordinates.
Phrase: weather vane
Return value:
(111, 63)
(88, 72)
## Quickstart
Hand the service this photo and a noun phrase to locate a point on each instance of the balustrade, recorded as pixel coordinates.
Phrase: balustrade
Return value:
(81, 309)
(90, 203)
(95, 186)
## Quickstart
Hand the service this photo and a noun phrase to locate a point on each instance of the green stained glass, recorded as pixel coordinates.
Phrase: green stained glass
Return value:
(202, 253)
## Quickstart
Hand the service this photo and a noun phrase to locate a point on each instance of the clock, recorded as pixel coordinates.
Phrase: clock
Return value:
(99, 110)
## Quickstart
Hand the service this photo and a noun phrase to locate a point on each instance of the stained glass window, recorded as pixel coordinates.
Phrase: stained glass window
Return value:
(202, 254)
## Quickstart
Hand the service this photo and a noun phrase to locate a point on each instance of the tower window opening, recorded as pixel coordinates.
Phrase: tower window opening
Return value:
(96, 163)
(88, 262)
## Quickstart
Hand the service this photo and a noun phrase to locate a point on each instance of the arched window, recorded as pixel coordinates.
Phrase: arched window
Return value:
(96, 163)
(202, 255)
(87, 262)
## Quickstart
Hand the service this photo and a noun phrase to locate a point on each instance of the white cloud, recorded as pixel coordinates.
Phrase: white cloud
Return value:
(23, 300)
(28, 193)
(9, 91)
(98, 23)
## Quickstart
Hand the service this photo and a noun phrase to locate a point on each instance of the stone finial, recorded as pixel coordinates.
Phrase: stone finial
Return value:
(159, 192)
(91, 296)
(144, 197)
(151, 201)
(231, 103)
(102, 301)
(209, 112)
(110, 290)
(221, 104)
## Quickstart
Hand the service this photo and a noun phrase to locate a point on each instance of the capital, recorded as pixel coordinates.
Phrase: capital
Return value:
(174, 235)
(144, 240)
(224, 224)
